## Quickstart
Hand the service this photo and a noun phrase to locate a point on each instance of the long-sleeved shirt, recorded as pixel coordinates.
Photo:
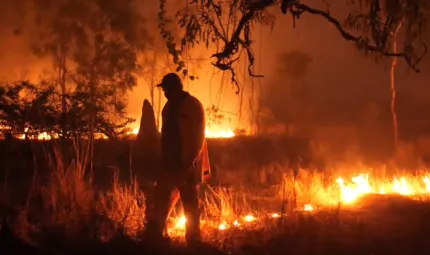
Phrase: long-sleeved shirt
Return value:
(182, 132)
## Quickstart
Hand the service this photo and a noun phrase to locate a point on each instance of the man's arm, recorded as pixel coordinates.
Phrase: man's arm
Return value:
(163, 142)
(197, 126)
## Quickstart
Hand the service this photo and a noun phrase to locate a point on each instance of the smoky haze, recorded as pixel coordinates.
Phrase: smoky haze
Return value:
(343, 87)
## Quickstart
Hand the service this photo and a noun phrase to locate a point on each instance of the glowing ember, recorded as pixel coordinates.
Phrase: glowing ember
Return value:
(44, 136)
(222, 226)
(426, 180)
(308, 208)
(180, 223)
(236, 223)
(208, 133)
(134, 131)
(219, 133)
(275, 215)
(249, 218)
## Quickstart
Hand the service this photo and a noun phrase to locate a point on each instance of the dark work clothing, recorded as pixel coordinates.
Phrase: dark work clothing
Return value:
(165, 193)
(182, 140)
(171, 136)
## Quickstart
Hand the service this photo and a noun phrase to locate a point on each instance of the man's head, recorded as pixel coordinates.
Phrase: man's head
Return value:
(171, 85)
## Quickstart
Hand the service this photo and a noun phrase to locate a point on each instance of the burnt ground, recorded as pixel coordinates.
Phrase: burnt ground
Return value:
(376, 225)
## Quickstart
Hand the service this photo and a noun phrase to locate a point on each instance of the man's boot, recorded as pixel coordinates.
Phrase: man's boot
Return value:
(193, 233)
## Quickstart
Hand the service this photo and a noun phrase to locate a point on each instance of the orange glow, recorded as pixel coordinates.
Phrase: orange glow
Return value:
(249, 218)
(347, 192)
(222, 226)
(401, 185)
(275, 215)
(209, 133)
(219, 133)
(308, 208)
(180, 223)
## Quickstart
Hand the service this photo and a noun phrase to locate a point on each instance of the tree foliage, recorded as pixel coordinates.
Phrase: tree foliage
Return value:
(25, 107)
(287, 97)
(229, 25)
(94, 47)
(378, 20)
(35, 108)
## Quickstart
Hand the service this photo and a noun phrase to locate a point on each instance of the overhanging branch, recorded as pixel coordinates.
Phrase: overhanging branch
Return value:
(296, 9)
(349, 37)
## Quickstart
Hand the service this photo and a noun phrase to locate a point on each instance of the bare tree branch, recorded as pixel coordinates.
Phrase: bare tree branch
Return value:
(208, 21)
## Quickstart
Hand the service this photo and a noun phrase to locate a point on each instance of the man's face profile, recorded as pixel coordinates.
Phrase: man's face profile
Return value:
(171, 91)
(166, 92)
(172, 86)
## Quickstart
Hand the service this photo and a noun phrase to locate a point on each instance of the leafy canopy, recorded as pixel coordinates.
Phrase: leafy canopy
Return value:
(228, 24)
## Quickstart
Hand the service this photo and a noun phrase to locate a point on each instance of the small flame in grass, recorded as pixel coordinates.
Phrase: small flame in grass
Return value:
(426, 181)
(308, 208)
(219, 133)
(275, 215)
(180, 223)
(236, 223)
(222, 226)
(400, 186)
(249, 218)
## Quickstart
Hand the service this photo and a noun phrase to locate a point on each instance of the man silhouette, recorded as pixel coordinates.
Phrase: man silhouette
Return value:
(183, 157)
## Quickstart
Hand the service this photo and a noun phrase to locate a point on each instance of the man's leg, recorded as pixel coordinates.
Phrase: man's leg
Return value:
(156, 220)
(148, 192)
(190, 201)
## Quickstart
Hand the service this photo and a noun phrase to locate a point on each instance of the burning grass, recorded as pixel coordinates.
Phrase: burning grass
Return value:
(310, 192)
(307, 209)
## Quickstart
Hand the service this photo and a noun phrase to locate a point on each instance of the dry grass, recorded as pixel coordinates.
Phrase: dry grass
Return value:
(73, 205)
(69, 202)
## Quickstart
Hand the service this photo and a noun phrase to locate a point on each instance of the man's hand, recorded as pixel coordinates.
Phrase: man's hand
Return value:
(187, 173)
(189, 165)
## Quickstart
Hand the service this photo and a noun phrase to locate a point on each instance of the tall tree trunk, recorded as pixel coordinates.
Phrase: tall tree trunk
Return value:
(62, 72)
(393, 88)
(159, 110)
(92, 120)
(151, 86)
(92, 114)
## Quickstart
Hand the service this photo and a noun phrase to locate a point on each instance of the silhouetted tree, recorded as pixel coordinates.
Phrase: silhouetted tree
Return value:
(28, 109)
(156, 61)
(229, 25)
(94, 47)
(36, 108)
(287, 97)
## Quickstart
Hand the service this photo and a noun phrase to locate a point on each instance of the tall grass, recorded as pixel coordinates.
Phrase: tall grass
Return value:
(71, 203)
(124, 205)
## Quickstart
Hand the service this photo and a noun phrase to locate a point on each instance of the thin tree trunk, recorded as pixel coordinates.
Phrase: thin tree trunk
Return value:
(93, 98)
(62, 72)
(61, 82)
(393, 89)
(259, 82)
(158, 110)
(151, 86)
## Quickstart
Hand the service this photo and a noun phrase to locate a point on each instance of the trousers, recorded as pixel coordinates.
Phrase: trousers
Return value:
(167, 191)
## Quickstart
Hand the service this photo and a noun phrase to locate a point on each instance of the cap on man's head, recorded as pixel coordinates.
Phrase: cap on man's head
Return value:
(170, 80)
